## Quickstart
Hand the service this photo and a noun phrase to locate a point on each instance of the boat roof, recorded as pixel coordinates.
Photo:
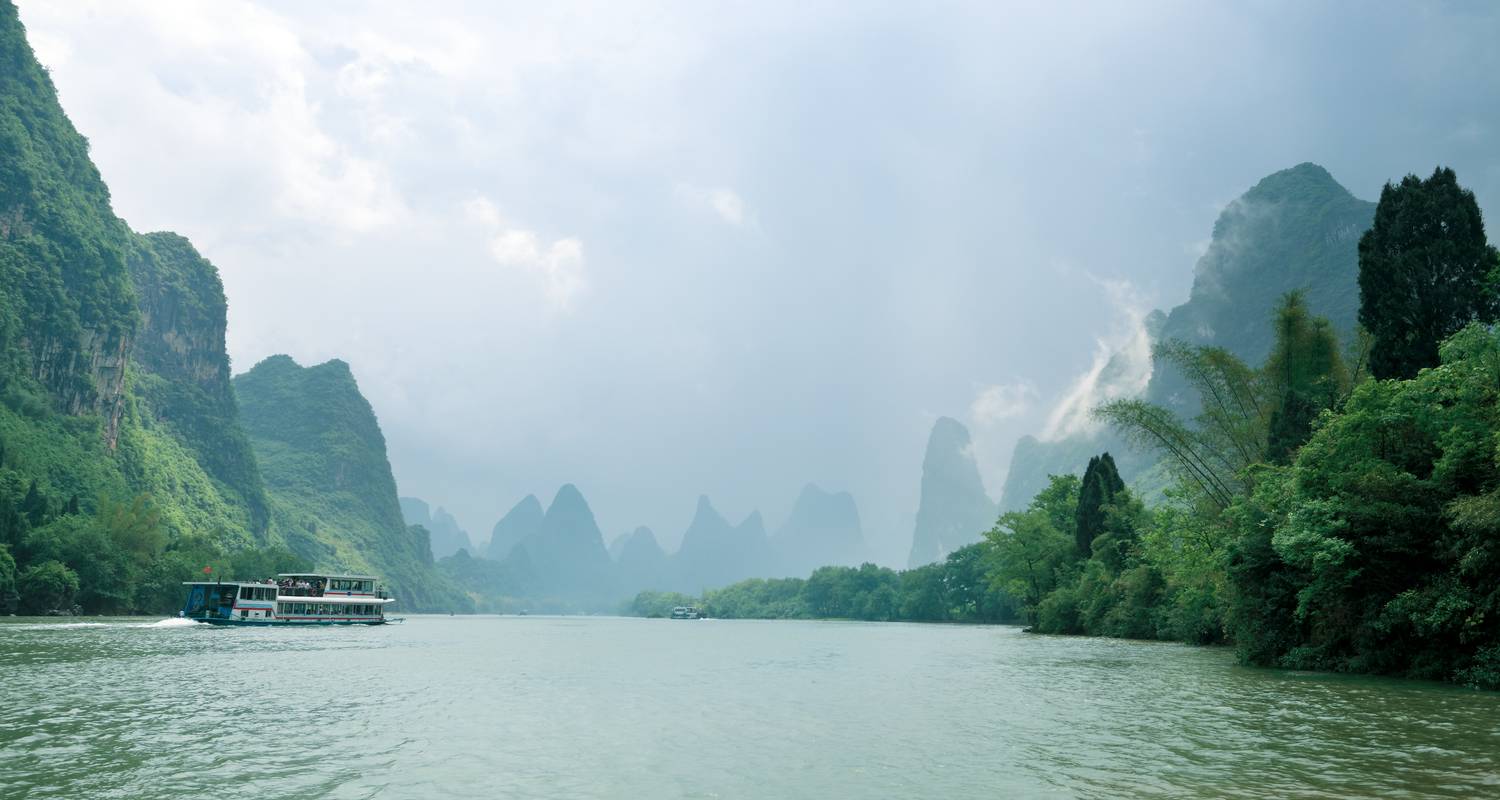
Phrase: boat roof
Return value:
(329, 575)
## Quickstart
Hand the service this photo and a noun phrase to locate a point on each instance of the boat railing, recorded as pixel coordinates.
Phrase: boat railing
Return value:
(323, 591)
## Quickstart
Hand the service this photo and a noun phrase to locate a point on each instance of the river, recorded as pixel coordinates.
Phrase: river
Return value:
(577, 707)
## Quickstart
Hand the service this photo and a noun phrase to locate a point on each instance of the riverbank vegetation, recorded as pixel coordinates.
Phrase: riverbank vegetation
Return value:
(107, 557)
(1323, 517)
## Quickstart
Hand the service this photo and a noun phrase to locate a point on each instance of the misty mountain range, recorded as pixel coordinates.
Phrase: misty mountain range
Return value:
(558, 554)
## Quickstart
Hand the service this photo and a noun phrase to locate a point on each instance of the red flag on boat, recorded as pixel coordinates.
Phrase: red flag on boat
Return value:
(207, 570)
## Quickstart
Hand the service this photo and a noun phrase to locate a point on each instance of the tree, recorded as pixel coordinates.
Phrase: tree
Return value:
(1101, 482)
(1305, 374)
(48, 586)
(1425, 271)
(34, 505)
(1121, 521)
(1229, 433)
(1031, 546)
(7, 581)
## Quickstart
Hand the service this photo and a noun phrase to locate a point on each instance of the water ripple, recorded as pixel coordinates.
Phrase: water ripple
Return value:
(607, 708)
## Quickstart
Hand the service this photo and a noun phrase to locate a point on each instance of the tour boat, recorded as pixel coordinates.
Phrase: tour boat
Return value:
(685, 612)
(291, 599)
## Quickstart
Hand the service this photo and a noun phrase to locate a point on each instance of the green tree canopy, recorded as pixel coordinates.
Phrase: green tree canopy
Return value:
(48, 586)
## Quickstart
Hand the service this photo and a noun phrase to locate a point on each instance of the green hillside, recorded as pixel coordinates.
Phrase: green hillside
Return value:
(333, 497)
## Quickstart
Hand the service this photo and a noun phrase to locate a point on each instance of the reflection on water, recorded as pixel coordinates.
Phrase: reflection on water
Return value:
(597, 707)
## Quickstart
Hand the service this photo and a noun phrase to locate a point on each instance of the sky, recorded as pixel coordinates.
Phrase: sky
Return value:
(661, 250)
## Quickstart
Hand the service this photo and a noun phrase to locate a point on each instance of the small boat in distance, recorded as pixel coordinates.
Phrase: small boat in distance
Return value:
(289, 599)
(686, 612)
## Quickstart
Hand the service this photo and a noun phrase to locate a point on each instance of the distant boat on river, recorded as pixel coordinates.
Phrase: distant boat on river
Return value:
(686, 612)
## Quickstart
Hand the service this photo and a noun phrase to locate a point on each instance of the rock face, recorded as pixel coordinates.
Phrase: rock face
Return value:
(715, 553)
(72, 328)
(323, 459)
(522, 521)
(567, 555)
(1295, 229)
(954, 510)
(181, 343)
(823, 529)
(642, 563)
(444, 535)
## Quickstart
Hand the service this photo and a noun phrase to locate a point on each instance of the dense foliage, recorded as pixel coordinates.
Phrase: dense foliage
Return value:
(106, 557)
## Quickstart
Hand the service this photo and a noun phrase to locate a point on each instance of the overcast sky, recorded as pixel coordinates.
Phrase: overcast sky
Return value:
(663, 250)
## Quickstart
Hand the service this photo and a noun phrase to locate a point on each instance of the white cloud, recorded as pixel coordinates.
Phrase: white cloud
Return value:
(995, 404)
(558, 266)
(52, 51)
(724, 202)
(216, 84)
(1121, 367)
(729, 206)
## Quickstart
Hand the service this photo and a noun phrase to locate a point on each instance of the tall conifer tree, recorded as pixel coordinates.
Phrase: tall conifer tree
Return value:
(1425, 271)
(1101, 483)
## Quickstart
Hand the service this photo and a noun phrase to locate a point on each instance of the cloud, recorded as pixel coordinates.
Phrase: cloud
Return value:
(558, 266)
(728, 206)
(995, 404)
(232, 91)
(724, 202)
(1121, 367)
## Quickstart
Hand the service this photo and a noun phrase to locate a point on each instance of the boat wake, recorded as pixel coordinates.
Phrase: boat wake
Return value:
(170, 622)
(174, 622)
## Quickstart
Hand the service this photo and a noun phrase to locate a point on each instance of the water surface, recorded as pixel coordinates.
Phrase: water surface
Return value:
(630, 708)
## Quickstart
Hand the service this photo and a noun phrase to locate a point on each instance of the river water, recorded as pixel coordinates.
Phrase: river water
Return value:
(572, 707)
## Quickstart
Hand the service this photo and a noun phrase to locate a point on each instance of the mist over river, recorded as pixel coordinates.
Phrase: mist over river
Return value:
(570, 707)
